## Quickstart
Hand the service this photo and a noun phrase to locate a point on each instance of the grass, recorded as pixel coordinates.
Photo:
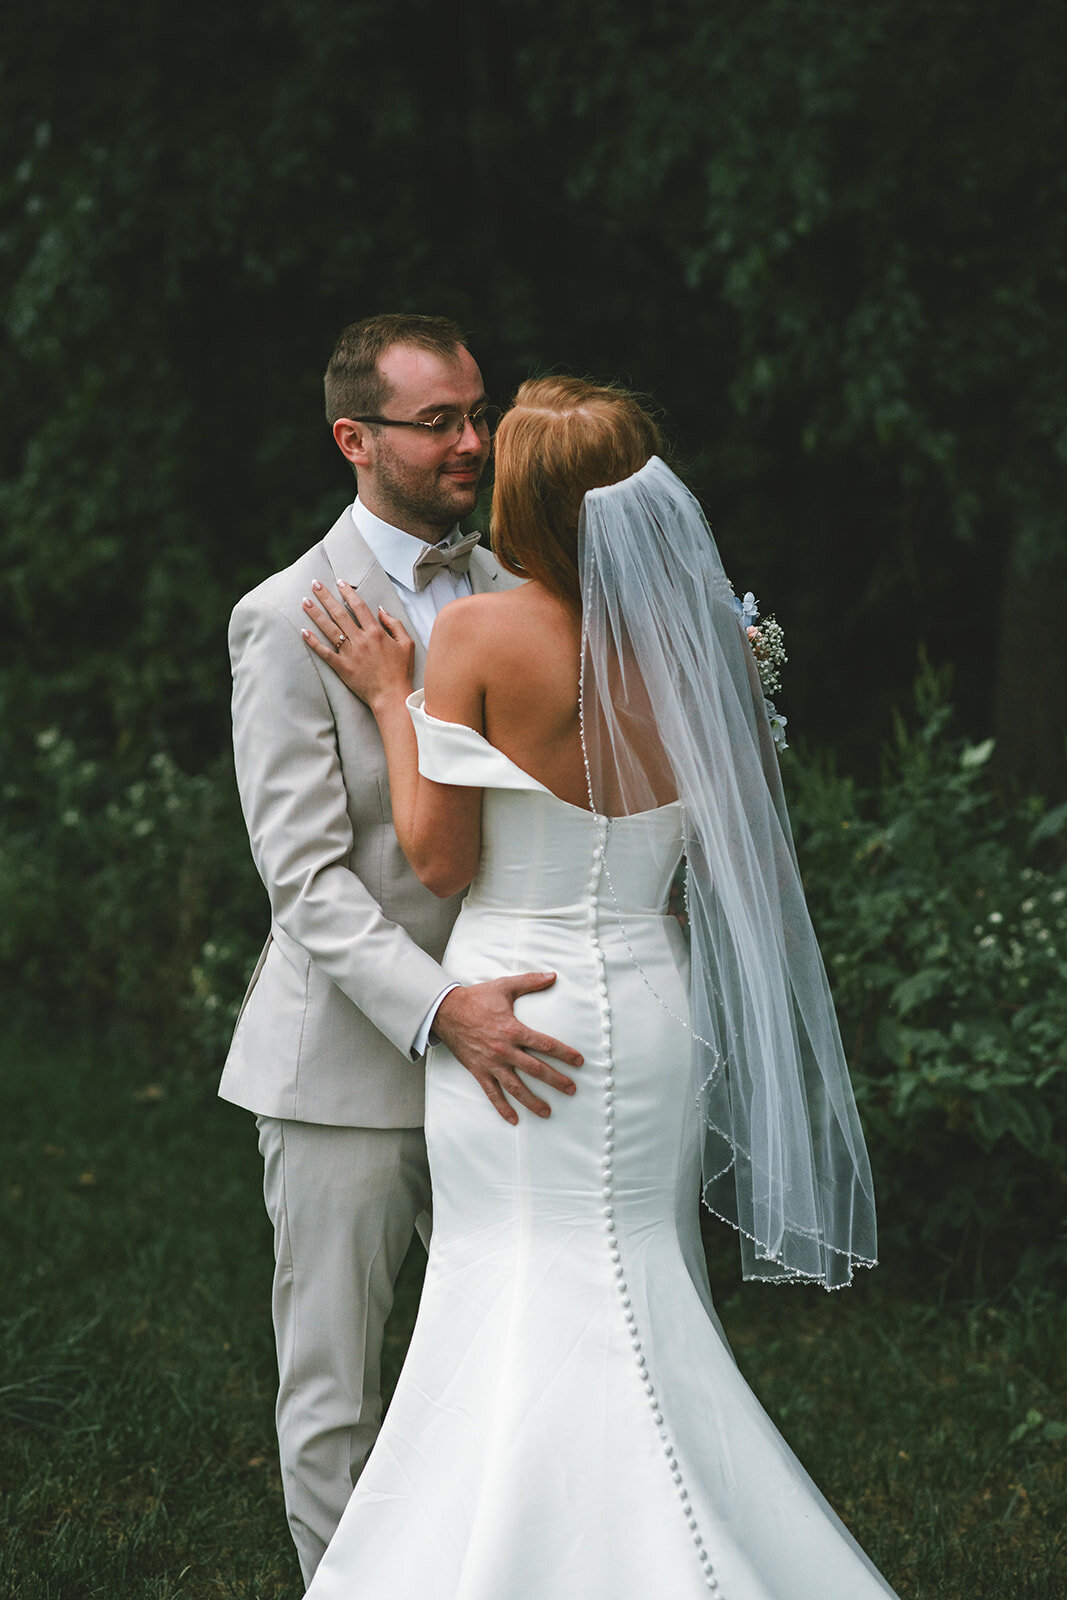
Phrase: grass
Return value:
(137, 1370)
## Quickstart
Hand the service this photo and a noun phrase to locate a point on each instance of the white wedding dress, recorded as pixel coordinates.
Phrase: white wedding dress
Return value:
(569, 1423)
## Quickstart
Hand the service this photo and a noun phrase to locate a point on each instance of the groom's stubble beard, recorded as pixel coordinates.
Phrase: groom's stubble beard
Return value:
(424, 494)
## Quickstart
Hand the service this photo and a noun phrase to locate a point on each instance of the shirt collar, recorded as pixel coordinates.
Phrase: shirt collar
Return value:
(391, 547)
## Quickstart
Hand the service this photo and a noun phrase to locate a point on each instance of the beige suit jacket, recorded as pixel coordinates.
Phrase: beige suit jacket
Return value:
(352, 964)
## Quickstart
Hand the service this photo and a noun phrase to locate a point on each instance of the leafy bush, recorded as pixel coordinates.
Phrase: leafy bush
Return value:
(128, 902)
(943, 919)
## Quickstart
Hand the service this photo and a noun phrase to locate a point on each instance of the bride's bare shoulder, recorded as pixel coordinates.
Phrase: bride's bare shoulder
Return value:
(507, 634)
(484, 616)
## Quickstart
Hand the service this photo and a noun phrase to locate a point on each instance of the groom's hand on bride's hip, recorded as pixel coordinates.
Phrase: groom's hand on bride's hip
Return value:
(479, 1026)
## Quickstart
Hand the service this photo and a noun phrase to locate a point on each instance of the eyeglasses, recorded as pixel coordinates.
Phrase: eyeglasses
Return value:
(447, 423)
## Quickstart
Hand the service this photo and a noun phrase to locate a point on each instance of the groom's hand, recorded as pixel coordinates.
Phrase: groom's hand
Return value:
(480, 1027)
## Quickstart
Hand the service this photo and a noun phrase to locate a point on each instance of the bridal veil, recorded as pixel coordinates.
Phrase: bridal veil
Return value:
(672, 707)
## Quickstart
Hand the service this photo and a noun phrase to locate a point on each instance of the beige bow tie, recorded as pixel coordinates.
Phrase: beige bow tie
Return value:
(456, 556)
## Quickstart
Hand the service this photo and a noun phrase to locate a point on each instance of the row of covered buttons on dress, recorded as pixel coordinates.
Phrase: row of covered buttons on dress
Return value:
(608, 1192)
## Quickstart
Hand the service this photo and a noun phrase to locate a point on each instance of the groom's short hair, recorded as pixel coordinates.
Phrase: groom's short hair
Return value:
(354, 385)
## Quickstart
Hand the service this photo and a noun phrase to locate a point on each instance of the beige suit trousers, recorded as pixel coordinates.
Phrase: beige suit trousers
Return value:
(344, 1203)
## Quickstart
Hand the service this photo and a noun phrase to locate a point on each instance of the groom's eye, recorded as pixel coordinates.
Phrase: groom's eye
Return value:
(484, 420)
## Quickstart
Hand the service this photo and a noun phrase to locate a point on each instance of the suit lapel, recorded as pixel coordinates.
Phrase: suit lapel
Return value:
(353, 560)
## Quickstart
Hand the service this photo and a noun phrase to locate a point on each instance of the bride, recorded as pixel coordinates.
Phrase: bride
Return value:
(569, 1423)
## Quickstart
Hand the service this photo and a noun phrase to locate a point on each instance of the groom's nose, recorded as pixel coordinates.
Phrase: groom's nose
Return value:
(470, 441)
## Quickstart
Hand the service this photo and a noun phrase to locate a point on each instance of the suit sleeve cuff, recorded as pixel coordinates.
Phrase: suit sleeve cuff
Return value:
(425, 1036)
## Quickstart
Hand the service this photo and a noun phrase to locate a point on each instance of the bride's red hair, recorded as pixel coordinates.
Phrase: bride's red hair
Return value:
(561, 437)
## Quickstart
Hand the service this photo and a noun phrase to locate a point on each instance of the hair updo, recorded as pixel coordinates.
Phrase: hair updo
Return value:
(561, 437)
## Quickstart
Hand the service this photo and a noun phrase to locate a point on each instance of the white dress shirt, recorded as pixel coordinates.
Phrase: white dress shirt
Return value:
(397, 552)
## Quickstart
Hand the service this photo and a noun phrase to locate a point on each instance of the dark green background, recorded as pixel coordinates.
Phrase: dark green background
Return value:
(828, 238)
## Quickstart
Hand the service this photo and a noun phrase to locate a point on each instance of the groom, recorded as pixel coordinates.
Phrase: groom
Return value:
(350, 988)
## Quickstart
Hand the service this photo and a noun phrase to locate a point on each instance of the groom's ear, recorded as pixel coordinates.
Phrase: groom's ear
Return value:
(353, 441)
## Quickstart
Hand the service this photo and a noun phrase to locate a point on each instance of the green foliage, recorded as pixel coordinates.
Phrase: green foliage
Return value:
(941, 909)
(944, 929)
(133, 904)
(829, 239)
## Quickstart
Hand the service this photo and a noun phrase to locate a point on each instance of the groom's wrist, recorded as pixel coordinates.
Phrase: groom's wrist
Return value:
(426, 1035)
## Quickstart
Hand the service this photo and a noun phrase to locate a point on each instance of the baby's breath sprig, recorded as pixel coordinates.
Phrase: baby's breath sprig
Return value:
(768, 646)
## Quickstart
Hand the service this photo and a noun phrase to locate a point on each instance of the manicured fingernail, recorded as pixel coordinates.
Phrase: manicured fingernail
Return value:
(306, 603)
(306, 633)
(315, 584)
(341, 584)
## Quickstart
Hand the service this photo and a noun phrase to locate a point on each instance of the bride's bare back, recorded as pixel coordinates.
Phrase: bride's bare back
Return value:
(507, 664)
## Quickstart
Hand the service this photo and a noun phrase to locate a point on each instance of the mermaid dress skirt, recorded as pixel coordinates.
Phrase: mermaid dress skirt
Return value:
(569, 1423)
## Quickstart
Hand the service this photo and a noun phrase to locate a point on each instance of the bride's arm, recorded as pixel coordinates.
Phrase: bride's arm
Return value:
(438, 825)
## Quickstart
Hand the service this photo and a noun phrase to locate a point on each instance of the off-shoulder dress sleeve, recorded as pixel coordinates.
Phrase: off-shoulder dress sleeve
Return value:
(450, 752)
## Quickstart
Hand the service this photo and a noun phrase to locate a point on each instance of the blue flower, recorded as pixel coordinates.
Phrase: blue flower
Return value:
(747, 609)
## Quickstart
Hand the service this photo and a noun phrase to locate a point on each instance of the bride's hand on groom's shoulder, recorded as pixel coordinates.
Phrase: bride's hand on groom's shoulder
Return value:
(372, 656)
